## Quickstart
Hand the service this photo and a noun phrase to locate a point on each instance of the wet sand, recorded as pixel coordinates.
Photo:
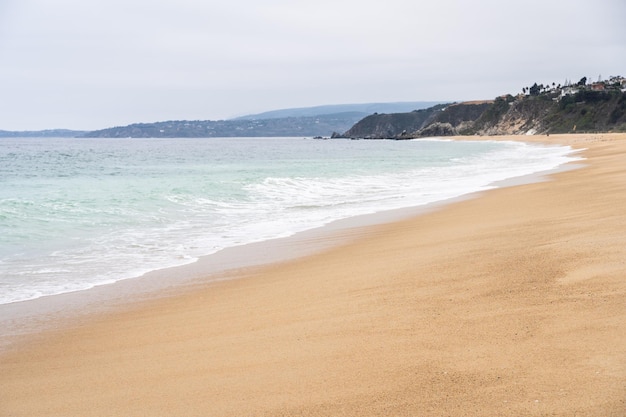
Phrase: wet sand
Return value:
(511, 304)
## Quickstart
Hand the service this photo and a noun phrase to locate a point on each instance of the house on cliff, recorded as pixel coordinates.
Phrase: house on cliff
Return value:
(599, 86)
(569, 90)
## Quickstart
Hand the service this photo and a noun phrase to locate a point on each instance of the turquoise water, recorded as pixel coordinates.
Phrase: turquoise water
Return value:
(75, 213)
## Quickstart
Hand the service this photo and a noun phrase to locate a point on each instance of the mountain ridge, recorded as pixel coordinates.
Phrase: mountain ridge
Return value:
(364, 108)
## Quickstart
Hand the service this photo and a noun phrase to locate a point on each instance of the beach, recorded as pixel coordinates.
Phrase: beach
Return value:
(509, 303)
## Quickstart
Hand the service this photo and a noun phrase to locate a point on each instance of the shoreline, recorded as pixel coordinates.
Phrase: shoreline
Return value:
(21, 319)
(138, 269)
(389, 319)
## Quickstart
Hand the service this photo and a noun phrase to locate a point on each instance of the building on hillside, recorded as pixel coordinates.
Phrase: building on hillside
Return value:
(569, 90)
(599, 86)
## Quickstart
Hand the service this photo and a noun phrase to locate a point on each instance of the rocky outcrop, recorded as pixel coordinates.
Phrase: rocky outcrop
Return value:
(393, 125)
(438, 129)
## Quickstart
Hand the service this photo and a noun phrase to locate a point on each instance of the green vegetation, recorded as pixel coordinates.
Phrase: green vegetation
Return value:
(588, 111)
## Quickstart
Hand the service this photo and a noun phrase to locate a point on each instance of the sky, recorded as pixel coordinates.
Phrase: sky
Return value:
(93, 64)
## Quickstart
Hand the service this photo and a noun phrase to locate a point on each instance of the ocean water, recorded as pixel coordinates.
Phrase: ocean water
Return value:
(77, 213)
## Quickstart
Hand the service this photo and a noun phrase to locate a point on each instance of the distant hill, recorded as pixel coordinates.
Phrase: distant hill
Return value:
(309, 121)
(598, 107)
(323, 125)
(364, 109)
(52, 133)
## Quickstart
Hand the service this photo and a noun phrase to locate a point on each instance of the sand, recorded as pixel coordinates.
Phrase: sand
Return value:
(512, 303)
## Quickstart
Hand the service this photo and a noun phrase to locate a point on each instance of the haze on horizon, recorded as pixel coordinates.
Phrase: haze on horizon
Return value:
(102, 63)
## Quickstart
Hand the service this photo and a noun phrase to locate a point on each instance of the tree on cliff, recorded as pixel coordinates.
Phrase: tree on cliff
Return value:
(534, 90)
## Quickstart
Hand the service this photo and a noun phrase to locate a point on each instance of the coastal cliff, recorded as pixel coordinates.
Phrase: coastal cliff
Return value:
(599, 107)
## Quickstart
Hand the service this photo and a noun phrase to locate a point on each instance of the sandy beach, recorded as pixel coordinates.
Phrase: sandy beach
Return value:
(511, 303)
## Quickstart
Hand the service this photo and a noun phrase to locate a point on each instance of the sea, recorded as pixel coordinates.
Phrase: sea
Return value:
(79, 213)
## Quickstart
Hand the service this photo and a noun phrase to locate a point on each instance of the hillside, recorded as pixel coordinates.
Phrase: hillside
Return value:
(52, 133)
(392, 125)
(599, 107)
(323, 125)
(309, 121)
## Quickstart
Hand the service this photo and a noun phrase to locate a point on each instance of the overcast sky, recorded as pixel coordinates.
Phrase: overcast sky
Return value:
(91, 64)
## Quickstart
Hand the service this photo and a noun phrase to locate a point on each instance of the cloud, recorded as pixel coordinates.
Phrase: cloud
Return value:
(94, 64)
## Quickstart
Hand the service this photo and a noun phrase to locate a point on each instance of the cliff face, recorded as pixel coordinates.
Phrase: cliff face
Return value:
(583, 111)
